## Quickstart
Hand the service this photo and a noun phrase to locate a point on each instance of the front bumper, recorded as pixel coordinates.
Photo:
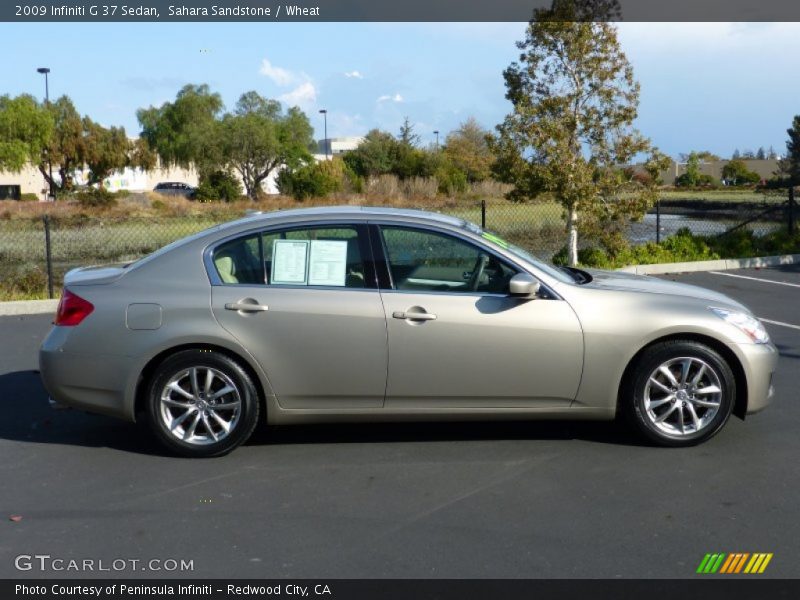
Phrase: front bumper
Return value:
(759, 362)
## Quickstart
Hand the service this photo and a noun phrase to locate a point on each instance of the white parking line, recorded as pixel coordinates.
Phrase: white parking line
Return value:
(797, 285)
(780, 323)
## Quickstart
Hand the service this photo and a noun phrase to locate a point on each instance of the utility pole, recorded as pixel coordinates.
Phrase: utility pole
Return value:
(45, 71)
(324, 113)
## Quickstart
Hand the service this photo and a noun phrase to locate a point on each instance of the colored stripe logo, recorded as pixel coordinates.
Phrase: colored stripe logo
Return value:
(737, 562)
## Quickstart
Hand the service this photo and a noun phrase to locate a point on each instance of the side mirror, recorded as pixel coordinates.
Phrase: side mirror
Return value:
(523, 285)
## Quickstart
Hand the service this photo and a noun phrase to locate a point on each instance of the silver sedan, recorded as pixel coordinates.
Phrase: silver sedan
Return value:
(367, 314)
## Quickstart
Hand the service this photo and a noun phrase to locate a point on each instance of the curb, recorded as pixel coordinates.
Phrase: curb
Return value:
(725, 264)
(28, 307)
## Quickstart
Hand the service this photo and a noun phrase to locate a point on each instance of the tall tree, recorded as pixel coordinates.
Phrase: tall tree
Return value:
(407, 135)
(66, 147)
(257, 138)
(790, 165)
(574, 101)
(374, 156)
(185, 132)
(25, 131)
(468, 150)
(761, 154)
(105, 150)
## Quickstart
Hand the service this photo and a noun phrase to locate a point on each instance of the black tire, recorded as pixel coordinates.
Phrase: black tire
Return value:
(202, 439)
(717, 374)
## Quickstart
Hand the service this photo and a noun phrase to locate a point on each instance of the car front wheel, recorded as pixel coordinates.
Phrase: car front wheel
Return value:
(681, 393)
(202, 403)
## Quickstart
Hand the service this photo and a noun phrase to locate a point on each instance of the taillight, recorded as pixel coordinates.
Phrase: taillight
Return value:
(72, 309)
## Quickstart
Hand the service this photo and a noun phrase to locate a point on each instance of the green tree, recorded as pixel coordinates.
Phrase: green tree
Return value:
(185, 132)
(66, 147)
(790, 165)
(407, 135)
(257, 138)
(468, 150)
(374, 156)
(574, 101)
(737, 173)
(104, 150)
(25, 131)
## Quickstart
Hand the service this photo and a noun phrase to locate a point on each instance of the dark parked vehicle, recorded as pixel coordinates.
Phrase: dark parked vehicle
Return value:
(174, 188)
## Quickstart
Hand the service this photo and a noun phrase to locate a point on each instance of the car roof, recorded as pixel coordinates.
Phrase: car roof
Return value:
(357, 212)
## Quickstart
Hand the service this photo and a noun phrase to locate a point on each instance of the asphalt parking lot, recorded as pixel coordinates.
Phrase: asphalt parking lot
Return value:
(548, 499)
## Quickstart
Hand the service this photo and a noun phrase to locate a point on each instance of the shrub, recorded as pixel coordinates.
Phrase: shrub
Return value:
(315, 180)
(218, 185)
(95, 198)
(29, 197)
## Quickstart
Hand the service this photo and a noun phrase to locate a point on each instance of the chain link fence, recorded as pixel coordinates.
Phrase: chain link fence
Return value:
(36, 253)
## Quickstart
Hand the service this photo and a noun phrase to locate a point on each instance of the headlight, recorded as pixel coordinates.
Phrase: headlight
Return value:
(744, 323)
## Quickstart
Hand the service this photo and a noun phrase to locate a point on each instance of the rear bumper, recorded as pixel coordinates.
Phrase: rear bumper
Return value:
(759, 362)
(89, 382)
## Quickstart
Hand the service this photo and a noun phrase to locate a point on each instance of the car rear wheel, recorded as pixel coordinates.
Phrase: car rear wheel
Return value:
(680, 393)
(202, 403)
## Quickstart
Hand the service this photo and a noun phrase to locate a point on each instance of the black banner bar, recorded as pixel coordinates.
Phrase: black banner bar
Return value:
(704, 587)
(376, 10)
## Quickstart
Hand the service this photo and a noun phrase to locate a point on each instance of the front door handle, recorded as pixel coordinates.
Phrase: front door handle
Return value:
(246, 307)
(414, 316)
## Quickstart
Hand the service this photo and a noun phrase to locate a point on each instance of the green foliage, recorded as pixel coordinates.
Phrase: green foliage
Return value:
(375, 156)
(258, 137)
(737, 173)
(407, 135)
(184, 132)
(468, 150)
(701, 180)
(452, 180)
(29, 197)
(686, 247)
(25, 129)
(104, 150)
(95, 198)
(574, 101)
(218, 186)
(254, 139)
(315, 180)
(790, 166)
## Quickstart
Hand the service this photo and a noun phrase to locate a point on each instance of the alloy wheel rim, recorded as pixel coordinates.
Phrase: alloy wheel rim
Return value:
(682, 396)
(200, 405)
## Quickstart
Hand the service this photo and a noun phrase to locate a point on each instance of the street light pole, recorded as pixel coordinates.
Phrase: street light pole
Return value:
(437, 138)
(45, 71)
(324, 113)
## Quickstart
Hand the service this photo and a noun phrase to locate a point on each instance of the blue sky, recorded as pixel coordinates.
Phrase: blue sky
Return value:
(712, 86)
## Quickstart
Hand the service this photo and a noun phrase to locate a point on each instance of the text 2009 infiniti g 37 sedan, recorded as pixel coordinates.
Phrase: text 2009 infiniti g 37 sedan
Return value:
(370, 314)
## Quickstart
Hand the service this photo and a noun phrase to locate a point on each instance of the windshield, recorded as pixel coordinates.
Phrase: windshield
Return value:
(525, 255)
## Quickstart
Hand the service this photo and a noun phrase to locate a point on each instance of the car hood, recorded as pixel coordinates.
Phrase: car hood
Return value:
(616, 280)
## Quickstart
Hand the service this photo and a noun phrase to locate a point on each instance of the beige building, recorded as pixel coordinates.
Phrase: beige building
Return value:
(765, 168)
(31, 181)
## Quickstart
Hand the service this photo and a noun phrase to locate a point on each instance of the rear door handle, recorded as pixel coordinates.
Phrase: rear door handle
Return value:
(414, 316)
(246, 307)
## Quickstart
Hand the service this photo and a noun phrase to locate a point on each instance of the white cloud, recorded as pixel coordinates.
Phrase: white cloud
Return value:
(390, 98)
(278, 75)
(354, 75)
(303, 95)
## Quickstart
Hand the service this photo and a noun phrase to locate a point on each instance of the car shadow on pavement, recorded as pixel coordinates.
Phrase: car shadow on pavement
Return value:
(30, 418)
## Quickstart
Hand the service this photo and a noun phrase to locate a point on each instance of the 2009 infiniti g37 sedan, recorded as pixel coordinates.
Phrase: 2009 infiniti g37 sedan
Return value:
(335, 314)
